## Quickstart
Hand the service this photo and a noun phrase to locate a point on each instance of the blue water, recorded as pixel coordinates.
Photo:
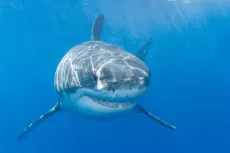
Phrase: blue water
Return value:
(189, 60)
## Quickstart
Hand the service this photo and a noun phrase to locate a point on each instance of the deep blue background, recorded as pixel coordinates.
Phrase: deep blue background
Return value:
(189, 60)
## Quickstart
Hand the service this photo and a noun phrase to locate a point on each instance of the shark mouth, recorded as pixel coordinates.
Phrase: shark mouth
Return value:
(110, 104)
(105, 96)
(90, 99)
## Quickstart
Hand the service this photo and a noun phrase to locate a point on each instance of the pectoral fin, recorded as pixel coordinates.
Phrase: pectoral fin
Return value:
(40, 120)
(172, 127)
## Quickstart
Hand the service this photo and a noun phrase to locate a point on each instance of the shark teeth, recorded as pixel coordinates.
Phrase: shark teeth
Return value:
(113, 104)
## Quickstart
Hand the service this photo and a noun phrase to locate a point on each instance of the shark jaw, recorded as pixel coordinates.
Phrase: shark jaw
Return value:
(100, 104)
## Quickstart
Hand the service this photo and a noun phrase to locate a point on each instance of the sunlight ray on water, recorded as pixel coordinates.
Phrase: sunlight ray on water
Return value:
(141, 18)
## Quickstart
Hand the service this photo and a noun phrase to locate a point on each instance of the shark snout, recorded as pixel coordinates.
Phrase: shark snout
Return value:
(124, 78)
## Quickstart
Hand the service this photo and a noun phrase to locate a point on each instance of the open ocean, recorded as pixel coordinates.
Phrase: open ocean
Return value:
(189, 61)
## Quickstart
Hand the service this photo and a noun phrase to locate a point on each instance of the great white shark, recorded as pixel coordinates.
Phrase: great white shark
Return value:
(98, 80)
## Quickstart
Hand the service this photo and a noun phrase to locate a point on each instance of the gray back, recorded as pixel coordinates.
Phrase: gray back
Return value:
(79, 66)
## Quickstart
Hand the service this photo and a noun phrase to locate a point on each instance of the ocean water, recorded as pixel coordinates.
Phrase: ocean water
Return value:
(189, 61)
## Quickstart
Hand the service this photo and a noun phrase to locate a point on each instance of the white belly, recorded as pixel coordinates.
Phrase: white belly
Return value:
(86, 107)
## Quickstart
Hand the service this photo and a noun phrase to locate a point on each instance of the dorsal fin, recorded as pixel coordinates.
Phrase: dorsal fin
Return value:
(142, 52)
(97, 27)
(40, 120)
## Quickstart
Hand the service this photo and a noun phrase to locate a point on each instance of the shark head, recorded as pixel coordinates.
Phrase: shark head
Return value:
(110, 84)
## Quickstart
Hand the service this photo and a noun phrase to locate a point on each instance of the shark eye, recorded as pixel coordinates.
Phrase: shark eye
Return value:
(95, 78)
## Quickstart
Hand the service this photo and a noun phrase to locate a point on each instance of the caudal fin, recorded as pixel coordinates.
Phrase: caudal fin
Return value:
(172, 127)
(40, 120)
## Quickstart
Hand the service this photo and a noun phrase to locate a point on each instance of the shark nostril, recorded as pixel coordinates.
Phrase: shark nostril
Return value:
(95, 78)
